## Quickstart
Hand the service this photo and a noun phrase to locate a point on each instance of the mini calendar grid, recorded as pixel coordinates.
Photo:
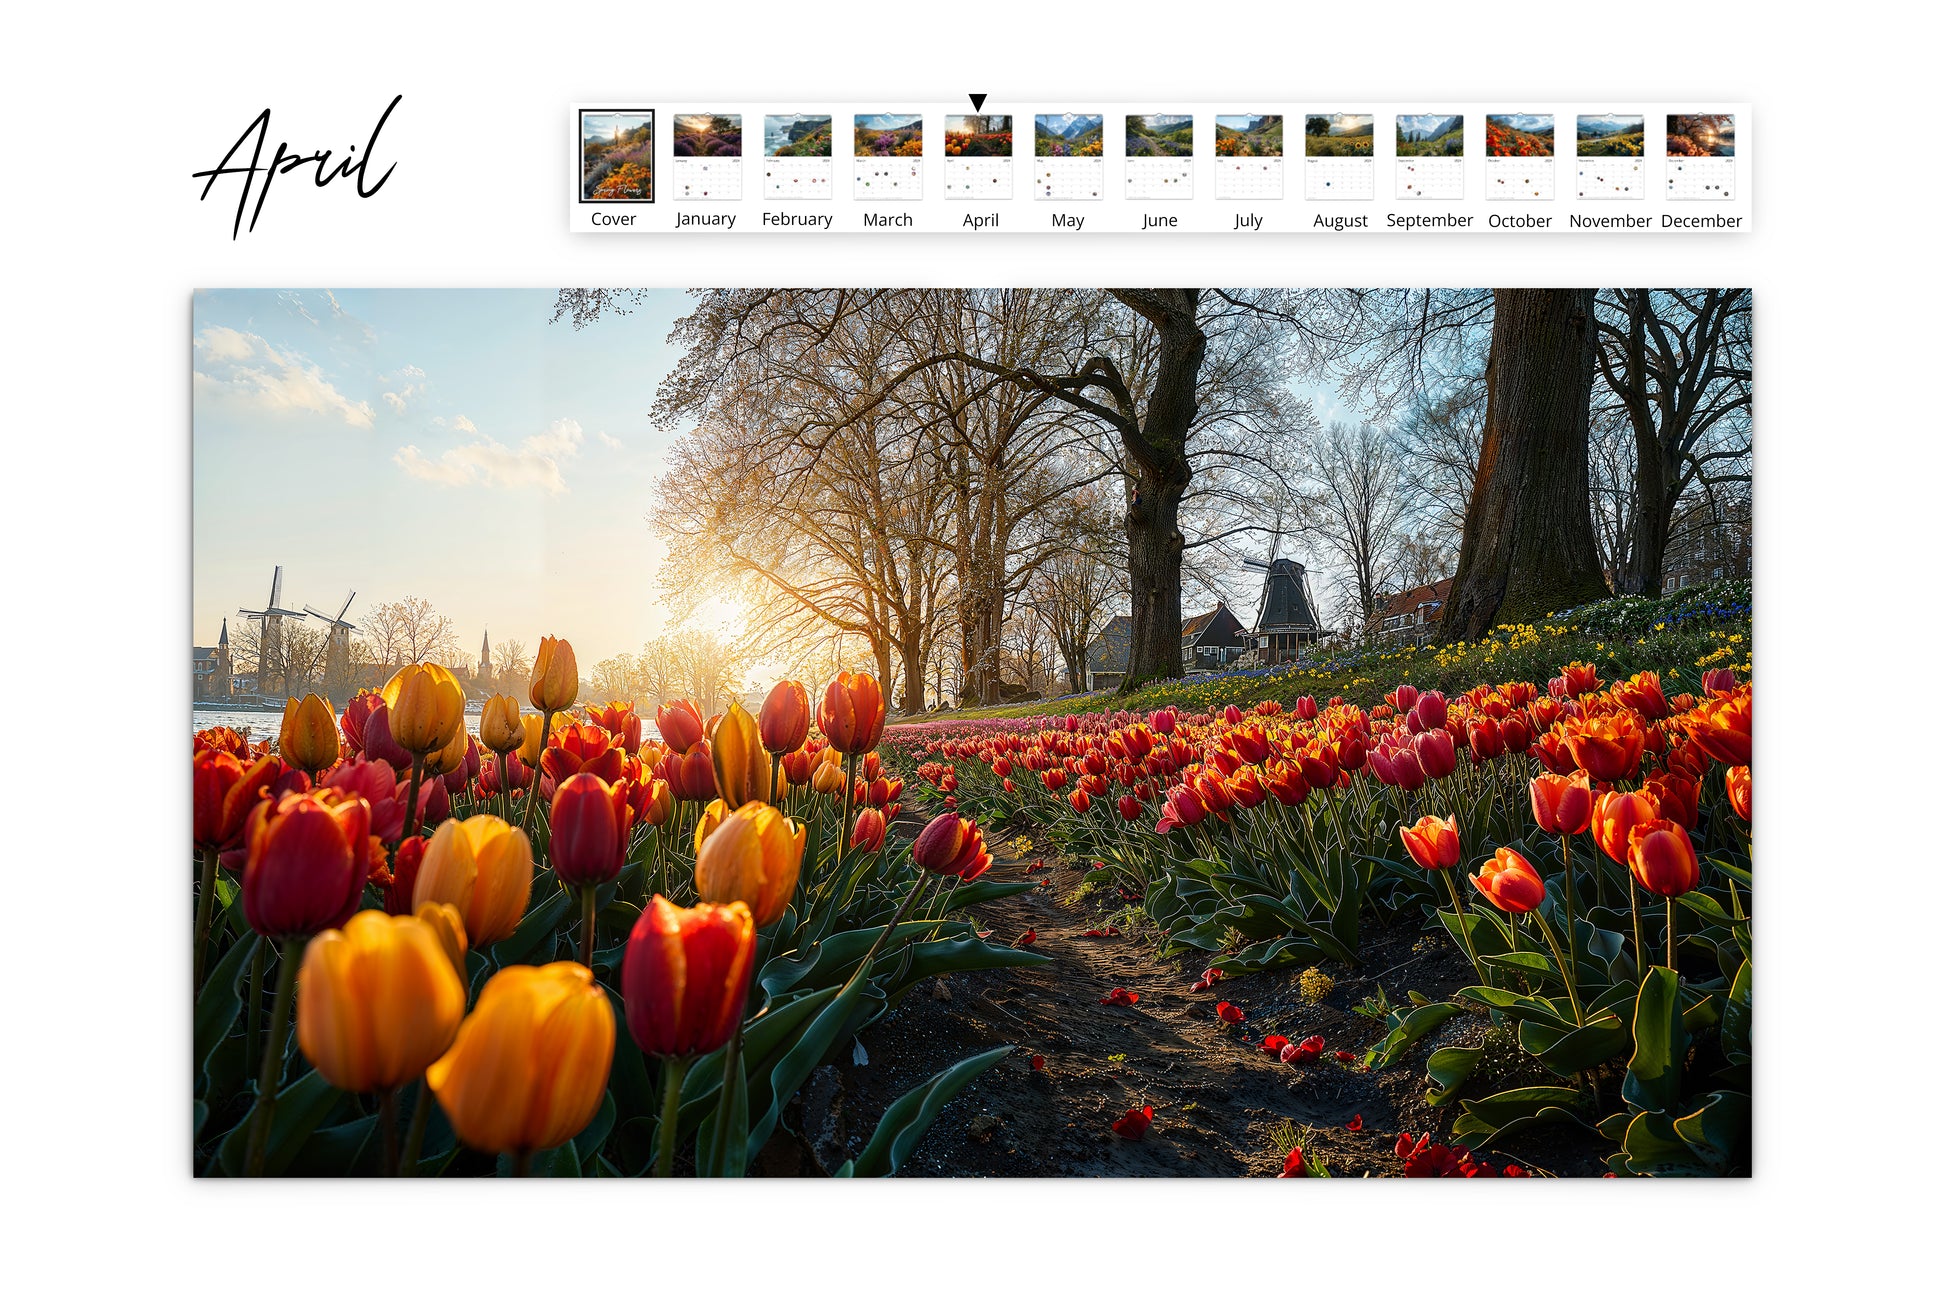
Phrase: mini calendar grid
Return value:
(1440, 178)
(1520, 179)
(1608, 178)
(1148, 178)
(886, 178)
(1338, 178)
(797, 177)
(1250, 178)
(1706, 179)
(980, 178)
(711, 179)
(1067, 178)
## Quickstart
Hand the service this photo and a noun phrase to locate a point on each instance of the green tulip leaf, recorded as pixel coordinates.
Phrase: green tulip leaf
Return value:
(222, 998)
(301, 1108)
(900, 1129)
(539, 924)
(1407, 1027)
(1449, 1069)
(1482, 1121)
(1654, 1079)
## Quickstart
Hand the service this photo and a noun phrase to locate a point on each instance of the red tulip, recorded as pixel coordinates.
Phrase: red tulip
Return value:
(1432, 843)
(1721, 727)
(1229, 1012)
(952, 847)
(1510, 882)
(1562, 803)
(1431, 710)
(621, 722)
(225, 792)
(588, 823)
(1121, 996)
(306, 863)
(1307, 708)
(868, 834)
(1662, 858)
(1434, 748)
(1608, 747)
(1293, 1164)
(680, 724)
(852, 715)
(686, 976)
(785, 720)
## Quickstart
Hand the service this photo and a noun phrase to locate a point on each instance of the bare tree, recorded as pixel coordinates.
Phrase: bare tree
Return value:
(510, 659)
(410, 630)
(1354, 505)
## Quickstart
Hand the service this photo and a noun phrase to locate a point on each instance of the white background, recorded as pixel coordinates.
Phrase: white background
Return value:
(109, 110)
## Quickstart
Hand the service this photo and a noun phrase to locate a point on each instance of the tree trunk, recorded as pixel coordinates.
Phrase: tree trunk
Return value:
(1655, 506)
(914, 665)
(1529, 543)
(1159, 464)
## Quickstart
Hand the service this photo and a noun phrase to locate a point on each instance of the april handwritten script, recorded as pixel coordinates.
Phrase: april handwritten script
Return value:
(257, 174)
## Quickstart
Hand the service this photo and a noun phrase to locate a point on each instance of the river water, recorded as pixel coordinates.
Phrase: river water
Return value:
(263, 725)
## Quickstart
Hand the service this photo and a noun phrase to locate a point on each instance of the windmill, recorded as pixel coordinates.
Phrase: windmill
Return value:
(337, 643)
(1286, 611)
(270, 633)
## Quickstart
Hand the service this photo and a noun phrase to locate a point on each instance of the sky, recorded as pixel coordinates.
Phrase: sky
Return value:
(452, 445)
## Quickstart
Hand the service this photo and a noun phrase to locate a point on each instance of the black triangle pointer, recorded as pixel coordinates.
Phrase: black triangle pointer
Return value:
(977, 101)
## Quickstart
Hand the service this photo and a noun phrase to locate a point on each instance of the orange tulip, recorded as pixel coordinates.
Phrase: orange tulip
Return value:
(1736, 782)
(852, 714)
(1662, 858)
(742, 765)
(225, 792)
(753, 856)
(554, 683)
(1562, 803)
(680, 724)
(308, 737)
(377, 1001)
(1721, 727)
(1607, 747)
(1615, 815)
(531, 1062)
(1510, 882)
(1432, 843)
(306, 862)
(483, 867)
(707, 821)
(449, 927)
(785, 721)
(686, 976)
(868, 834)
(1675, 796)
(501, 729)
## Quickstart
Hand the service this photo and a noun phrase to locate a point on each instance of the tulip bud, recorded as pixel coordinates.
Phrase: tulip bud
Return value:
(378, 1001)
(532, 728)
(500, 724)
(483, 867)
(785, 721)
(1562, 803)
(425, 706)
(308, 738)
(686, 976)
(707, 821)
(852, 715)
(1432, 843)
(1736, 782)
(1510, 882)
(659, 805)
(1616, 815)
(741, 764)
(588, 830)
(554, 684)
(449, 927)
(306, 862)
(452, 756)
(753, 856)
(1662, 858)
(680, 725)
(530, 1064)
(828, 779)
(868, 834)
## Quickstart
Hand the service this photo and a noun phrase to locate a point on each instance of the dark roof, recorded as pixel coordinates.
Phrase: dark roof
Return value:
(1219, 626)
(1195, 624)
(1108, 651)
(198, 653)
(1408, 601)
(1284, 604)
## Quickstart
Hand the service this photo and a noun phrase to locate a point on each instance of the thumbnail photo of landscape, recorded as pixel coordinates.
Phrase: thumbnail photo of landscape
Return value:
(1520, 135)
(1430, 135)
(1608, 135)
(1338, 135)
(980, 135)
(886, 135)
(1250, 136)
(1161, 135)
(1702, 135)
(1067, 135)
(617, 156)
(797, 135)
(708, 135)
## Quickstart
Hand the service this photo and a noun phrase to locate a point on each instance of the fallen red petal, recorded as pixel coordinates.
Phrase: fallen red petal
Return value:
(1293, 1164)
(1357, 1123)
(1135, 1123)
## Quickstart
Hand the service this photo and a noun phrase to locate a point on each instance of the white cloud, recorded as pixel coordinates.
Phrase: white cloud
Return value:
(613, 443)
(396, 401)
(536, 462)
(413, 371)
(244, 368)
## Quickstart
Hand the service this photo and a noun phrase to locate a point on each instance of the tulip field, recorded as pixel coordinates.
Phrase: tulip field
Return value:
(558, 949)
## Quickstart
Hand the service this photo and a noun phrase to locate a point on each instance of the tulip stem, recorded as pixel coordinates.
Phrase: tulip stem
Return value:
(1566, 967)
(844, 817)
(1568, 970)
(1635, 914)
(588, 925)
(1466, 933)
(527, 816)
(254, 1010)
(523, 1163)
(732, 1064)
(506, 790)
(388, 1121)
(1670, 941)
(205, 907)
(864, 969)
(273, 1068)
(412, 796)
(674, 1068)
(415, 1134)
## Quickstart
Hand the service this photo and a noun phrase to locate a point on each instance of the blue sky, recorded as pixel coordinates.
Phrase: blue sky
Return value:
(448, 444)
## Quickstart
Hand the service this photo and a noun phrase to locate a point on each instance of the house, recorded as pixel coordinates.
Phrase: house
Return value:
(1411, 616)
(1106, 660)
(1212, 640)
(210, 668)
(1287, 618)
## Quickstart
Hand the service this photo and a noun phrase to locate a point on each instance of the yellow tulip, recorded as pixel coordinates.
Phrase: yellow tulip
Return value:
(531, 1062)
(425, 707)
(482, 866)
(530, 742)
(308, 738)
(706, 823)
(451, 757)
(378, 1001)
(500, 726)
(449, 926)
(753, 856)
(742, 764)
(555, 683)
(829, 777)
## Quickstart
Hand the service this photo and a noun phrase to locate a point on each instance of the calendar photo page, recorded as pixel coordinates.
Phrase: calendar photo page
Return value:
(1160, 167)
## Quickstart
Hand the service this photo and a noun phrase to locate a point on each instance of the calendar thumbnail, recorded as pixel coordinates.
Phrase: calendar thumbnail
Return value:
(1338, 135)
(1608, 156)
(708, 161)
(1250, 156)
(797, 156)
(1431, 149)
(1067, 156)
(1702, 161)
(1161, 156)
(887, 148)
(1520, 157)
(617, 156)
(980, 156)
